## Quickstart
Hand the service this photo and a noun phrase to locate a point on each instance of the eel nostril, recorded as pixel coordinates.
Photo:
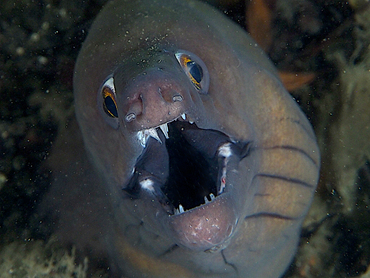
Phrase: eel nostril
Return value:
(130, 117)
(135, 109)
(177, 98)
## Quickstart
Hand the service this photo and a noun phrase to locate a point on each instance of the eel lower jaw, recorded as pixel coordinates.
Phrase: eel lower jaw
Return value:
(207, 199)
(208, 227)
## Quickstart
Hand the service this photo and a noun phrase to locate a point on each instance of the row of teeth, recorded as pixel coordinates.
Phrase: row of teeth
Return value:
(143, 135)
(224, 151)
(206, 201)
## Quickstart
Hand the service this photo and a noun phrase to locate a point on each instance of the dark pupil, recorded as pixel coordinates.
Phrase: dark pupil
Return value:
(110, 107)
(195, 70)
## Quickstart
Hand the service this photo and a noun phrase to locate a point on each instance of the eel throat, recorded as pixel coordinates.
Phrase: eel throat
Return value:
(184, 166)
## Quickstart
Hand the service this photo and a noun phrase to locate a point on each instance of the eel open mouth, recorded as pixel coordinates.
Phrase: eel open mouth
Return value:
(184, 166)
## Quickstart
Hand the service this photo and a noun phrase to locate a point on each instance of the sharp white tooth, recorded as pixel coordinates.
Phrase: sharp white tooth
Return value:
(212, 196)
(191, 122)
(206, 200)
(152, 132)
(181, 208)
(142, 138)
(164, 129)
(183, 116)
(176, 211)
(143, 135)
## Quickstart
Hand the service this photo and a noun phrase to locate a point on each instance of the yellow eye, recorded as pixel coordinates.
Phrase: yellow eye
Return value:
(109, 103)
(195, 69)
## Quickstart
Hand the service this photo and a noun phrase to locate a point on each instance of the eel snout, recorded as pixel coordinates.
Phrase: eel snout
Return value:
(154, 98)
(185, 168)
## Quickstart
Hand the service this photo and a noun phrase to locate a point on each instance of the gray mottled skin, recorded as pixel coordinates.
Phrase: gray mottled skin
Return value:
(252, 229)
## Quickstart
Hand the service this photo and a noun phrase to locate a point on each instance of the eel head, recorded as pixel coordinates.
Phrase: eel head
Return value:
(183, 164)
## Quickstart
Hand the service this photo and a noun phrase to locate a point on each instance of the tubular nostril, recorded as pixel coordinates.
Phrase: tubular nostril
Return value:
(130, 117)
(135, 109)
(177, 98)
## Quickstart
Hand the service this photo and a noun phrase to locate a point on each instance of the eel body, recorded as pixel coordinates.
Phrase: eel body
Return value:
(205, 164)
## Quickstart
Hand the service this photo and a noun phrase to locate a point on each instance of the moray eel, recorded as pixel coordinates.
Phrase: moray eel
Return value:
(209, 164)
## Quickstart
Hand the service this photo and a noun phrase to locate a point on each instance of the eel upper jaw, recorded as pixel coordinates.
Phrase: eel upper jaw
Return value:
(144, 134)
